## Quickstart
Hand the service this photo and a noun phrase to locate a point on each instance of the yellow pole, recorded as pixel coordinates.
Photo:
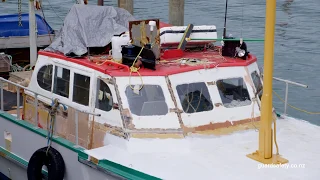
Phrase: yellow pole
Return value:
(264, 154)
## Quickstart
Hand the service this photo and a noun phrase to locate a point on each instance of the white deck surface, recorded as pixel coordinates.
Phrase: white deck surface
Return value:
(224, 157)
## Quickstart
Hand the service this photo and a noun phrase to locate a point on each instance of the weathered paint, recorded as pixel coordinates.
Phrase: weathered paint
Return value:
(167, 121)
(23, 148)
(119, 121)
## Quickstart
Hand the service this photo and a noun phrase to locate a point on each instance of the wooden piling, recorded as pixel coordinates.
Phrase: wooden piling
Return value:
(100, 2)
(176, 12)
(126, 4)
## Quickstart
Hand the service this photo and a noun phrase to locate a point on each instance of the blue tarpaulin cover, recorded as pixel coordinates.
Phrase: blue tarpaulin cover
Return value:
(9, 25)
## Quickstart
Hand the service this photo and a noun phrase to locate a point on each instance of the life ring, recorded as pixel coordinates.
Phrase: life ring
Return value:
(53, 161)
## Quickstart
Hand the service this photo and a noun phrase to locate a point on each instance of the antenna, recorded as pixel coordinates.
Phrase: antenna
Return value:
(225, 20)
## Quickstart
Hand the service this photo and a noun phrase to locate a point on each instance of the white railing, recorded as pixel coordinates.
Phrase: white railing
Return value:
(287, 90)
(36, 105)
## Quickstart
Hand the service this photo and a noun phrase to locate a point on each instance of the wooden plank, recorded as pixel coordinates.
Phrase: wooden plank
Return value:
(186, 34)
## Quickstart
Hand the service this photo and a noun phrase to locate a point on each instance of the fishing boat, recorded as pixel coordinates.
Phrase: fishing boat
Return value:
(151, 101)
(14, 36)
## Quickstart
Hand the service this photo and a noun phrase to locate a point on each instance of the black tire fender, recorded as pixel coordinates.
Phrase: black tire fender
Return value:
(53, 161)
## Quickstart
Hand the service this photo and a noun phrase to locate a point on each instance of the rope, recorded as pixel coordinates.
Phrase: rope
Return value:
(19, 12)
(221, 39)
(135, 70)
(44, 19)
(296, 108)
(54, 10)
(53, 111)
(252, 115)
(275, 132)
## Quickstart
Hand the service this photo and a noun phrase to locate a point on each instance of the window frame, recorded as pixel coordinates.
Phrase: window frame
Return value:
(53, 82)
(52, 75)
(234, 77)
(72, 75)
(256, 93)
(97, 95)
(208, 90)
(165, 99)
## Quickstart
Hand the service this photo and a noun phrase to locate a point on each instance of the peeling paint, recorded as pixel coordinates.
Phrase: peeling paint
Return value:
(214, 126)
(176, 109)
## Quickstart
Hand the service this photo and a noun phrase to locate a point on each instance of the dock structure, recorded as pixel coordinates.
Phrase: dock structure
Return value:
(126, 4)
(100, 2)
(176, 12)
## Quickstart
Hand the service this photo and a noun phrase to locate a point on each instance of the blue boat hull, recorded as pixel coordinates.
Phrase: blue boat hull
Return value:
(9, 25)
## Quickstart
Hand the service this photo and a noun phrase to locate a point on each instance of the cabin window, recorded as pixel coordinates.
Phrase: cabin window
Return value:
(233, 92)
(104, 97)
(148, 101)
(194, 97)
(61, 81)
(257, 83)
(44, 77)
(81, 89)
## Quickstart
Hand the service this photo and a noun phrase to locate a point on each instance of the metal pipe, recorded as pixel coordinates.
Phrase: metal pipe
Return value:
(67, 104)
(1, 83)
(290, 82)
(18, 103)
(77, 124)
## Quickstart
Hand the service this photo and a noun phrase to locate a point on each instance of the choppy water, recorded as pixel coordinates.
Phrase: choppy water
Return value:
(297, 38)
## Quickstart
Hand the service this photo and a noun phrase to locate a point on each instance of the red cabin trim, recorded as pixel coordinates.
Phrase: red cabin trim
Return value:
(116, 69)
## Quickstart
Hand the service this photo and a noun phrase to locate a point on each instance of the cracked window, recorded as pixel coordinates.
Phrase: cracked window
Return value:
(257, 83)
(233, 92)
(148, 101)
(194, 97)
(104, 96)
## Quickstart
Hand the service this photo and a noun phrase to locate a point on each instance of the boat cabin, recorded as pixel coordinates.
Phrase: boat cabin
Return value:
(189, 88)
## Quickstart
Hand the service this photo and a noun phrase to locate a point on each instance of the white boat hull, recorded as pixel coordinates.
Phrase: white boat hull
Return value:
(23, 41)
(25, 142)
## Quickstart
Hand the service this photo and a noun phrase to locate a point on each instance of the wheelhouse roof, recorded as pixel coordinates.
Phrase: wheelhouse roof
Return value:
(165, 67)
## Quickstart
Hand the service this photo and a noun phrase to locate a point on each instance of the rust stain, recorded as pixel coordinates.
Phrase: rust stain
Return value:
(94, 160)
(156, 135)
(211, 83)
(128, 118)
(100, 130)
(3, 154)
(91, 134)
(124, 119)
(218, 104)
(176, 109)
(214, 126)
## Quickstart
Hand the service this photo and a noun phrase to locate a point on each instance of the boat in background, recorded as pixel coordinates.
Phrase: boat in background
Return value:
(14, 37)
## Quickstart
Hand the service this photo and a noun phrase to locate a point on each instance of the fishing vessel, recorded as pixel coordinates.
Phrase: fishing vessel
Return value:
(151, 101)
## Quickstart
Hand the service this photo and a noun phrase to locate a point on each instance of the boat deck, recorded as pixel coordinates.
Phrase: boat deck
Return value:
(166, 66)
(222, 157)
